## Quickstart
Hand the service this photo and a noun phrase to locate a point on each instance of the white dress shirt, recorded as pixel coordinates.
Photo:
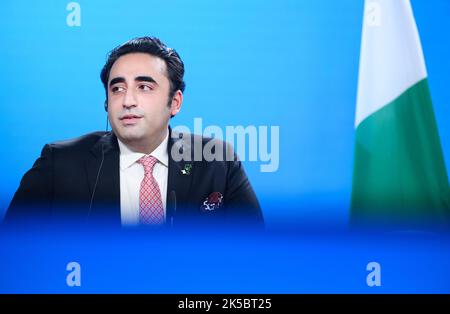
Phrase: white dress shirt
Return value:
(131, 175)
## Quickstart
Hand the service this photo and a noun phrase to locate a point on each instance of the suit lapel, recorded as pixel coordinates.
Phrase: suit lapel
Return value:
(180, 171)
(102, 167)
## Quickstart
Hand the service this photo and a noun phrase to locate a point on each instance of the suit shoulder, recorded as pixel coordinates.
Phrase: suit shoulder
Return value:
(192, 138)
(83, 141)
(209, 148)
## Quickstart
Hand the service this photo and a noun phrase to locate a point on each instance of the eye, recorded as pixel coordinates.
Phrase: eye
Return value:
(117, 89)
(145, 87)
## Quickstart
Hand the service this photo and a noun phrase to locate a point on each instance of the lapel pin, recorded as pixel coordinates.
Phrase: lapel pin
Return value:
(187, 169)
(212, 202)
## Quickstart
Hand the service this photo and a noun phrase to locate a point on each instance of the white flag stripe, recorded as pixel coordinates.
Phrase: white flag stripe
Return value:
(391, 58)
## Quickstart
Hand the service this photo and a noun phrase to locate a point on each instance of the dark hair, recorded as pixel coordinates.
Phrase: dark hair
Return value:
(153, 46)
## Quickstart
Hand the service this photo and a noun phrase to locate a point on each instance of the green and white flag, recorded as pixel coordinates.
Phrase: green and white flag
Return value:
(399, 169)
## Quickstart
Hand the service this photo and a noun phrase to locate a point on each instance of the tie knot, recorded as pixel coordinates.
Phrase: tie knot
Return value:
(148, 162)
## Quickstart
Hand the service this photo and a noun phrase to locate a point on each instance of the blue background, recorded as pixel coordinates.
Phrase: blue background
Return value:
(292, 64)
(214, 262)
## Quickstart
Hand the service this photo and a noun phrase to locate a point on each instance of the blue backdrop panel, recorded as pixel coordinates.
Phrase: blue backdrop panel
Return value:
(286, 63)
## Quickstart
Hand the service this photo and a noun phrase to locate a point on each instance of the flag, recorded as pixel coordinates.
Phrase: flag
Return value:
(399, 170)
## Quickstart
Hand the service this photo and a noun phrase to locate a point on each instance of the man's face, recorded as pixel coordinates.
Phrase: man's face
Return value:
(138, 99)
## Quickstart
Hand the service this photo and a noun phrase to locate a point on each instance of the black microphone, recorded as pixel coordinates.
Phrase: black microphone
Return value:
(96, 181)
(101, 164)
(171, 207)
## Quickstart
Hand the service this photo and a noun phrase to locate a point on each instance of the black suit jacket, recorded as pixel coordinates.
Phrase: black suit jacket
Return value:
(79, 180)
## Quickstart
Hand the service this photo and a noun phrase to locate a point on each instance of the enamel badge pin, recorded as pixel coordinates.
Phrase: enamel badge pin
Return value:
(187, 169)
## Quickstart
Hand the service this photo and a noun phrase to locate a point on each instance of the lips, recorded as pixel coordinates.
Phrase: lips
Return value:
(130, 119)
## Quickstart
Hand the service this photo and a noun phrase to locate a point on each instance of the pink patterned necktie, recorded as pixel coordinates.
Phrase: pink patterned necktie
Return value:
(151, 210)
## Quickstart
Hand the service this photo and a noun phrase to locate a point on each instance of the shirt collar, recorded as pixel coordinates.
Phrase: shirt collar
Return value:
(129, 157)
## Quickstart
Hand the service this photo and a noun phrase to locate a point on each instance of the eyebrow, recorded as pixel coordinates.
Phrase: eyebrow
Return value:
(137, 79)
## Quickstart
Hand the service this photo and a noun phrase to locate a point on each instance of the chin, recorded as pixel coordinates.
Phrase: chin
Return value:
(130, 135)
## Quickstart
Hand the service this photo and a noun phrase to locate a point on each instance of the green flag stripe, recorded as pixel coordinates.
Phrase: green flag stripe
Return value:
(399, 169)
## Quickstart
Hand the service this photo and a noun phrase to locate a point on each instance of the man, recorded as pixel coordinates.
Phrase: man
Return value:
(141, 173)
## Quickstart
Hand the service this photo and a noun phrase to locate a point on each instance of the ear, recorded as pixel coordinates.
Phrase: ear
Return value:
(176, 103)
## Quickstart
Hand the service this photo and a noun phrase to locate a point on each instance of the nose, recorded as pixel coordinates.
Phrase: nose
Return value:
(129, 100)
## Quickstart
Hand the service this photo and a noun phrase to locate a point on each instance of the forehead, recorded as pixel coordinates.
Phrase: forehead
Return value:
(138, 64)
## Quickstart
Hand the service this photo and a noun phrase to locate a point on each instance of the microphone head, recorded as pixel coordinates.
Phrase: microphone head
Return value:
(172, 201)
(171, 207)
